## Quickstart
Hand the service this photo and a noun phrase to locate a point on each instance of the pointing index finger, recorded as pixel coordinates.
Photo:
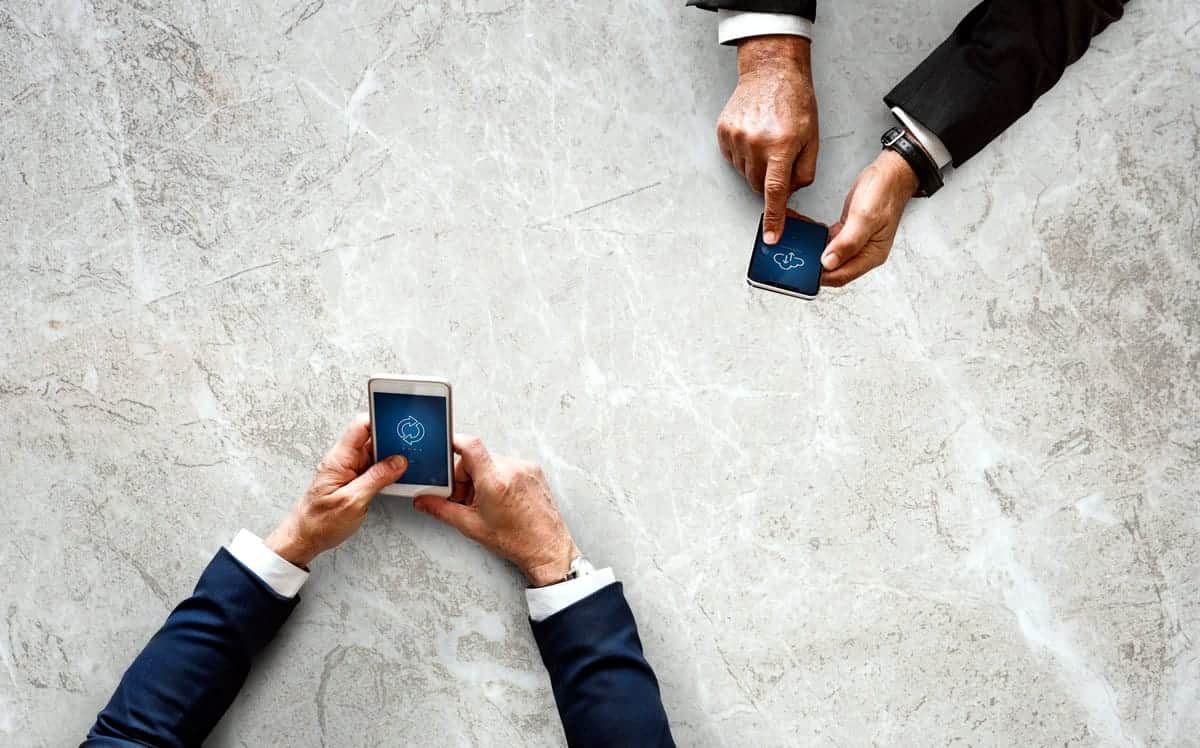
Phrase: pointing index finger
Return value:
(776, 191)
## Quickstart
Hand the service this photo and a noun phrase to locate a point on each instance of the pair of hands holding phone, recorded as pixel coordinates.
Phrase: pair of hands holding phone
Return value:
(504, 504)
(769, 132)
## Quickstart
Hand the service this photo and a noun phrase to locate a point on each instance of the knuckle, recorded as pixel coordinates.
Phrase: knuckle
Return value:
(729, 128)
(866, 214)
(778, 137)
(472, 444)
(760, 138)
(504, 479)
(340, 501)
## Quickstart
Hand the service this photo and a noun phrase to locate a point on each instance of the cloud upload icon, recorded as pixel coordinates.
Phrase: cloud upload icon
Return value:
(789, 261)
(410, 430)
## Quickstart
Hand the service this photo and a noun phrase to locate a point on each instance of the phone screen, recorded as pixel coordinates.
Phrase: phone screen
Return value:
(793, 264)
(414, 426)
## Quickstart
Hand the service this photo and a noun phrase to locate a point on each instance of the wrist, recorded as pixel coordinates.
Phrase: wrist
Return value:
(545, 572)
(774, 52)
(286, 542)
(898, 173)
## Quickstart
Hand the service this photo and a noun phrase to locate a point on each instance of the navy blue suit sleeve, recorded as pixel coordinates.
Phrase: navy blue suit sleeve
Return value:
(180, 685)
(605, 690)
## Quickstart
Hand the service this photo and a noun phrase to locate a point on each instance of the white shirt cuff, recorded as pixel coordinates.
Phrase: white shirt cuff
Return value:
(265, 564)
(932, 144)
(546, 601)
(739, 24)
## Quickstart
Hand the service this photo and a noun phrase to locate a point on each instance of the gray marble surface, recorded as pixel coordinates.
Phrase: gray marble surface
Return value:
(955, 502)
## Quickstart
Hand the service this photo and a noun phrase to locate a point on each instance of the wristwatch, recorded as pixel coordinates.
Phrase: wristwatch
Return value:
(929, 177)
(580, 567)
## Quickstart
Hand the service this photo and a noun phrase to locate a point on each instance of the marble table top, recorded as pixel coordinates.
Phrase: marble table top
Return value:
(954, 502)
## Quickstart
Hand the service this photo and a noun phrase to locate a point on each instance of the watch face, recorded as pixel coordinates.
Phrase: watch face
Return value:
(581, 567)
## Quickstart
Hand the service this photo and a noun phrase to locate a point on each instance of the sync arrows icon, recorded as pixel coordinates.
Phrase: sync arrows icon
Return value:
(410, 430)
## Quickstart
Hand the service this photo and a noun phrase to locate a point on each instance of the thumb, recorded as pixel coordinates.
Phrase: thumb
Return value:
(845, 242)
(382, 473)
(463, 518)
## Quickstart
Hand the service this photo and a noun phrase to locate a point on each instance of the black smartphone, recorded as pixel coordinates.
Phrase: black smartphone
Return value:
(793, 265)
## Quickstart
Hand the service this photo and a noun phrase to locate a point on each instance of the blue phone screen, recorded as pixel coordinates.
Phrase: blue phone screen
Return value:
(414, 426)
(794, 264)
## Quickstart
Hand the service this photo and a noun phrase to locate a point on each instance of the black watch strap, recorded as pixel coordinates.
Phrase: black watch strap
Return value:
(928, 175)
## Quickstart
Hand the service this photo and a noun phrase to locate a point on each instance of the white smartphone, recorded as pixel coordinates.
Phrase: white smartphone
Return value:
(792, 266)
(412, 416)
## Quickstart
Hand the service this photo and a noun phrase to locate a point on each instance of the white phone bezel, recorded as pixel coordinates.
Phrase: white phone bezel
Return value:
(777, 289)
(401, 384)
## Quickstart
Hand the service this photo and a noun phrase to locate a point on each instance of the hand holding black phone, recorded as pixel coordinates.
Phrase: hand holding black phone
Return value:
(793, 265)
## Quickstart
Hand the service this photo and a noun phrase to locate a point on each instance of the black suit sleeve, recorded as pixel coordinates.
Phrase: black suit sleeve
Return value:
(606, 692)
(999, 60)
(806, 8)
(180, 685)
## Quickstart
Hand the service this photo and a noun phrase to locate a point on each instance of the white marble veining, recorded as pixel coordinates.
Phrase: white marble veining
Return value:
(955, 502)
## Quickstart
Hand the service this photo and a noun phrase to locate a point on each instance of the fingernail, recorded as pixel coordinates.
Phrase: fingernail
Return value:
(829, 260)
(399, 462)
(770, 237)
